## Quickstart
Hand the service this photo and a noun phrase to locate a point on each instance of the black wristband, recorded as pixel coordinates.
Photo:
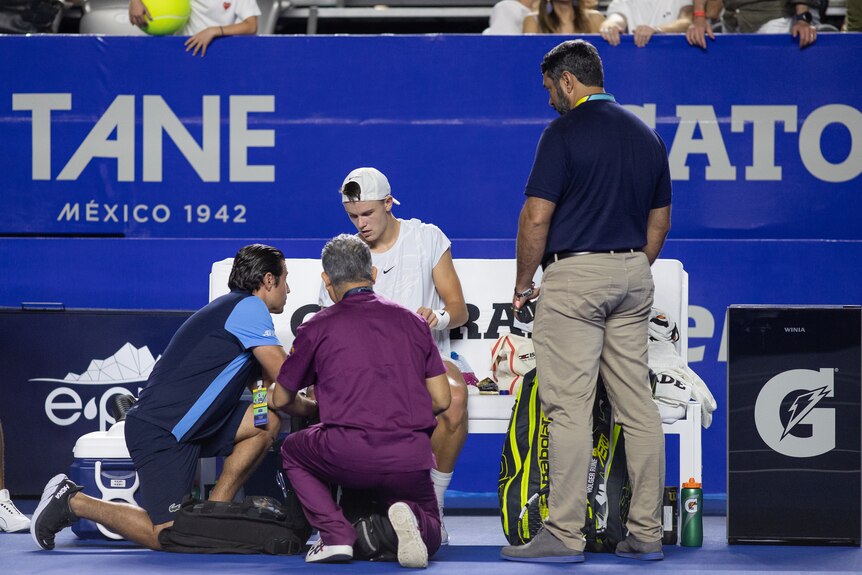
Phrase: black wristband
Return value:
(804, 17)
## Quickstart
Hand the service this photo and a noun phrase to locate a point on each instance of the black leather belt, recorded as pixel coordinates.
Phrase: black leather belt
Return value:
(557, 256)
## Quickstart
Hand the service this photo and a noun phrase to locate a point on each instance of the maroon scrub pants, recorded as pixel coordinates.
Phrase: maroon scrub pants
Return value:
(312, 468)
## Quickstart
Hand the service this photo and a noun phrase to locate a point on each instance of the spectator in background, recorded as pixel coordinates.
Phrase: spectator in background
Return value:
(30, 17)
(757, 17)
(507, 17)
(643, 18)
(853, 18)
(210, 19)
(10, 518)
(564, 17)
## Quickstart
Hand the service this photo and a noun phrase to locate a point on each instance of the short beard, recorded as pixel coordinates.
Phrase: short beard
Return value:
(562, 107)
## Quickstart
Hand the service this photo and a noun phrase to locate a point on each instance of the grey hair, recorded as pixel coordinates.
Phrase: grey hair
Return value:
(346, 259)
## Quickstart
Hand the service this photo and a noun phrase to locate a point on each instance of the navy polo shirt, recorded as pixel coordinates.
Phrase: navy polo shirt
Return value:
(605, 170)
(198, 381)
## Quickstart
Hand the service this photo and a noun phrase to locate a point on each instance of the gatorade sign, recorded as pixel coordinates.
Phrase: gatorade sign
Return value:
(794, 427)
(789, 402)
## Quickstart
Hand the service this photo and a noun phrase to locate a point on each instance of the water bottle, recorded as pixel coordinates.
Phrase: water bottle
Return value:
(670, 516)
(461, 363)
(691, 500)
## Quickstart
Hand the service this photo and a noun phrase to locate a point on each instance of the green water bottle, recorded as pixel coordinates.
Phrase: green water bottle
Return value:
(691, 514)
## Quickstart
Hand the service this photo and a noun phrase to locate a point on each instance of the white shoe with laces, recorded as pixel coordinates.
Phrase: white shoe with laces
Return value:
(320, 553)
(11, 519)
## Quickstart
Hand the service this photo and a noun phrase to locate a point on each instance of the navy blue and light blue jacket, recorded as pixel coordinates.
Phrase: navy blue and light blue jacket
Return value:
(209, 362)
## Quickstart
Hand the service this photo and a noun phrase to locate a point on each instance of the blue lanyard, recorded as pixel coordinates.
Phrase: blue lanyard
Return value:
(602, 96)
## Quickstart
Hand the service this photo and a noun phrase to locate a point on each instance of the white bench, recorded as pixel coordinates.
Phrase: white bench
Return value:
(487, 286)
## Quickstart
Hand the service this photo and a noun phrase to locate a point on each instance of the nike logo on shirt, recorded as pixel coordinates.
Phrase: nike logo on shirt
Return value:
(389, 270)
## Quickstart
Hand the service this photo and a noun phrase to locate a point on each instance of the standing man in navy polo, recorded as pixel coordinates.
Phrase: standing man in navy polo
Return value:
(191, 408)
(596, 217)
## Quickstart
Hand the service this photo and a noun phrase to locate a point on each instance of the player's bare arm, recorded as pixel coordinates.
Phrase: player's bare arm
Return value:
(449, 287)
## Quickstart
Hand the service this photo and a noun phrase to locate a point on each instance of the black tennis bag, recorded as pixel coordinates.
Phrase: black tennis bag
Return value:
(609, 489)
(257, 524)
(523, 486)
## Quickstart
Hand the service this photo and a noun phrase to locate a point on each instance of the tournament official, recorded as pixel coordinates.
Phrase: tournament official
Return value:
(596, 216)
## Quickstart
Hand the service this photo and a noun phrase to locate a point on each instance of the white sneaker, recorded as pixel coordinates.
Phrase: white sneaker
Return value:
(411, 549)
(320, 553)
(444, 534)
(10, 518)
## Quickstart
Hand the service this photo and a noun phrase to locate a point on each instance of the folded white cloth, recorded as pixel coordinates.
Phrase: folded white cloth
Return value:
(675, 383)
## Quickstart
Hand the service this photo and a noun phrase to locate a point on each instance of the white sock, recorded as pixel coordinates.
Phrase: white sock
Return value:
(441, 483)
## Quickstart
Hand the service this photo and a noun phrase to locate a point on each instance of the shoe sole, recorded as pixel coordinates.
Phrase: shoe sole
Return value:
(655, 556)
(47, 494)
(550, 559)
(412, 551)
(334, 558)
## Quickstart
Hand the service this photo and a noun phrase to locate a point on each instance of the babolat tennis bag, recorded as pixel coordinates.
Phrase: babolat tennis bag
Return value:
(253, 525)
(523, 486)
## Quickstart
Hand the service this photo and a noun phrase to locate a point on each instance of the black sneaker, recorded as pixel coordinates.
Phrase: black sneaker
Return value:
(375, 539)
(54, 512)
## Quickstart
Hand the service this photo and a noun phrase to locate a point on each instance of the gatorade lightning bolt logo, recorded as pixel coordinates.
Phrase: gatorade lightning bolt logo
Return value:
(802, 406)
(807, 388)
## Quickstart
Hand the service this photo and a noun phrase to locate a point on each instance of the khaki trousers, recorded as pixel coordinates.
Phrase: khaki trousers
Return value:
(592, 318)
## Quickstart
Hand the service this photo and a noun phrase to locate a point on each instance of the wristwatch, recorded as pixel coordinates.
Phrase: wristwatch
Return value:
(526, 293)
(804, 17)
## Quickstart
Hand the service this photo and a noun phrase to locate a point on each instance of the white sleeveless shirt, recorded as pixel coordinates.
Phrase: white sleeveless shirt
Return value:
(404, 272)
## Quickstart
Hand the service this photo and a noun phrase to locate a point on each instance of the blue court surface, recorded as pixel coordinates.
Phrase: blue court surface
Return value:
(475, 548)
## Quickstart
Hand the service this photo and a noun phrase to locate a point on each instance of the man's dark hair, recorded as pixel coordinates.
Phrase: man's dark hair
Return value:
(251, 264)
(577, 57)
(346, 259)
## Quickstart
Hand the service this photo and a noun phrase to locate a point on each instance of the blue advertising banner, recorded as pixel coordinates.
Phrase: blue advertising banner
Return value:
(257, 136)
(126, 174)
(61, 370)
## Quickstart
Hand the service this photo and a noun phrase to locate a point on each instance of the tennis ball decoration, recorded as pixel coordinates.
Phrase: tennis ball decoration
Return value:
(169, 16)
